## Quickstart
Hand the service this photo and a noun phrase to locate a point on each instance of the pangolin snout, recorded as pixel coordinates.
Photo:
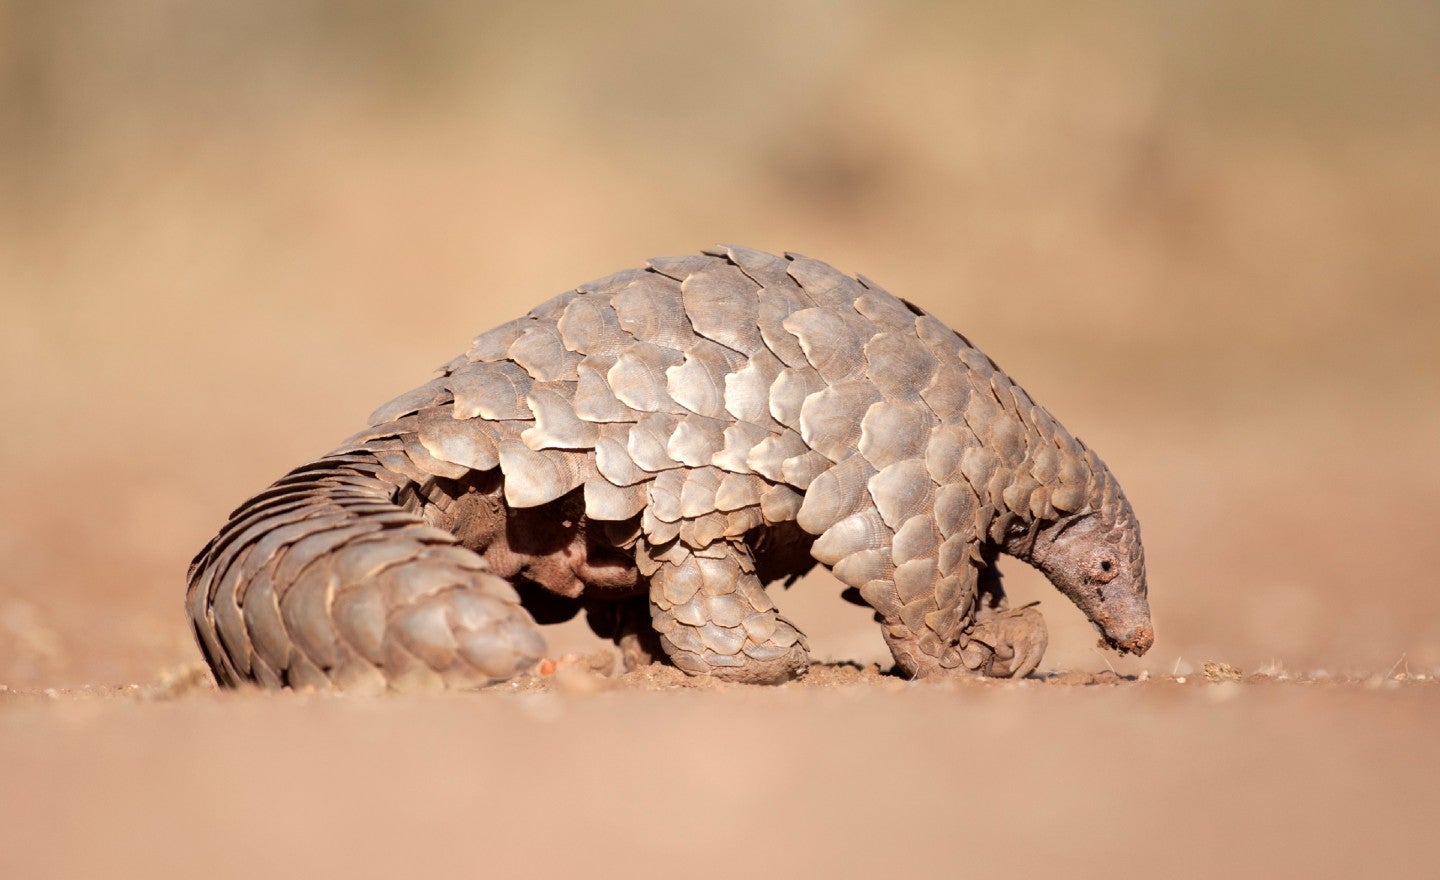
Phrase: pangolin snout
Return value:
(1137, 640)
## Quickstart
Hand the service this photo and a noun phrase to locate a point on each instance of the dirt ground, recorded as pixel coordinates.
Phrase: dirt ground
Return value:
(849, 775)
(1202, 235)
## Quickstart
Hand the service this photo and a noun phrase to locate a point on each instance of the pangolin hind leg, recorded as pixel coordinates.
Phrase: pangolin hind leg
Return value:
(924, 626)
(956, 624)
(715, 618)
(626, 622)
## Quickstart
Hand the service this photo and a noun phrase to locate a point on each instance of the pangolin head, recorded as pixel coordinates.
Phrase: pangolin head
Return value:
(1096, 558)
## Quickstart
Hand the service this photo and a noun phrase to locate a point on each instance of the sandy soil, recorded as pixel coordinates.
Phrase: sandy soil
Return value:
(1203, 235)
(851, 774)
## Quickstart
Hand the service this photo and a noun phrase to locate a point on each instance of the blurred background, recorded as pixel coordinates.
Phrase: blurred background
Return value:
(1203, 235)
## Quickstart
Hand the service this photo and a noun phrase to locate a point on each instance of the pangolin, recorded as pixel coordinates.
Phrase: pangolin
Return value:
(655, 447)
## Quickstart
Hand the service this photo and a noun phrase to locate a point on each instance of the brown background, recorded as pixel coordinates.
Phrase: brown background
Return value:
(1204, 235)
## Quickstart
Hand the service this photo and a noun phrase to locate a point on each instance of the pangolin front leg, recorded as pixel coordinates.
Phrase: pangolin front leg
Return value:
(1007, 644)
(1003, 642)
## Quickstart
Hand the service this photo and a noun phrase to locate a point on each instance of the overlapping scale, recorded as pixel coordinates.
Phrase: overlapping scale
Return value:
(556, 424)
(470, 443)
(826, 285)
(769, 271)
(589, 326)
(541, 353)
(840, 491)
(790, 390)
(638, 379)
(696, 441)
(490, 390)
(698, 384)
(833, 341)
(892, 432)
(831, 419)
(723, 305)
(594, 401)
(648, 310)
(534, 478)
(746, 390)
(494, 345)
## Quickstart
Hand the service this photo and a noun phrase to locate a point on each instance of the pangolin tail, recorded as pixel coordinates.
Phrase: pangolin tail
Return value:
(332, 578)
